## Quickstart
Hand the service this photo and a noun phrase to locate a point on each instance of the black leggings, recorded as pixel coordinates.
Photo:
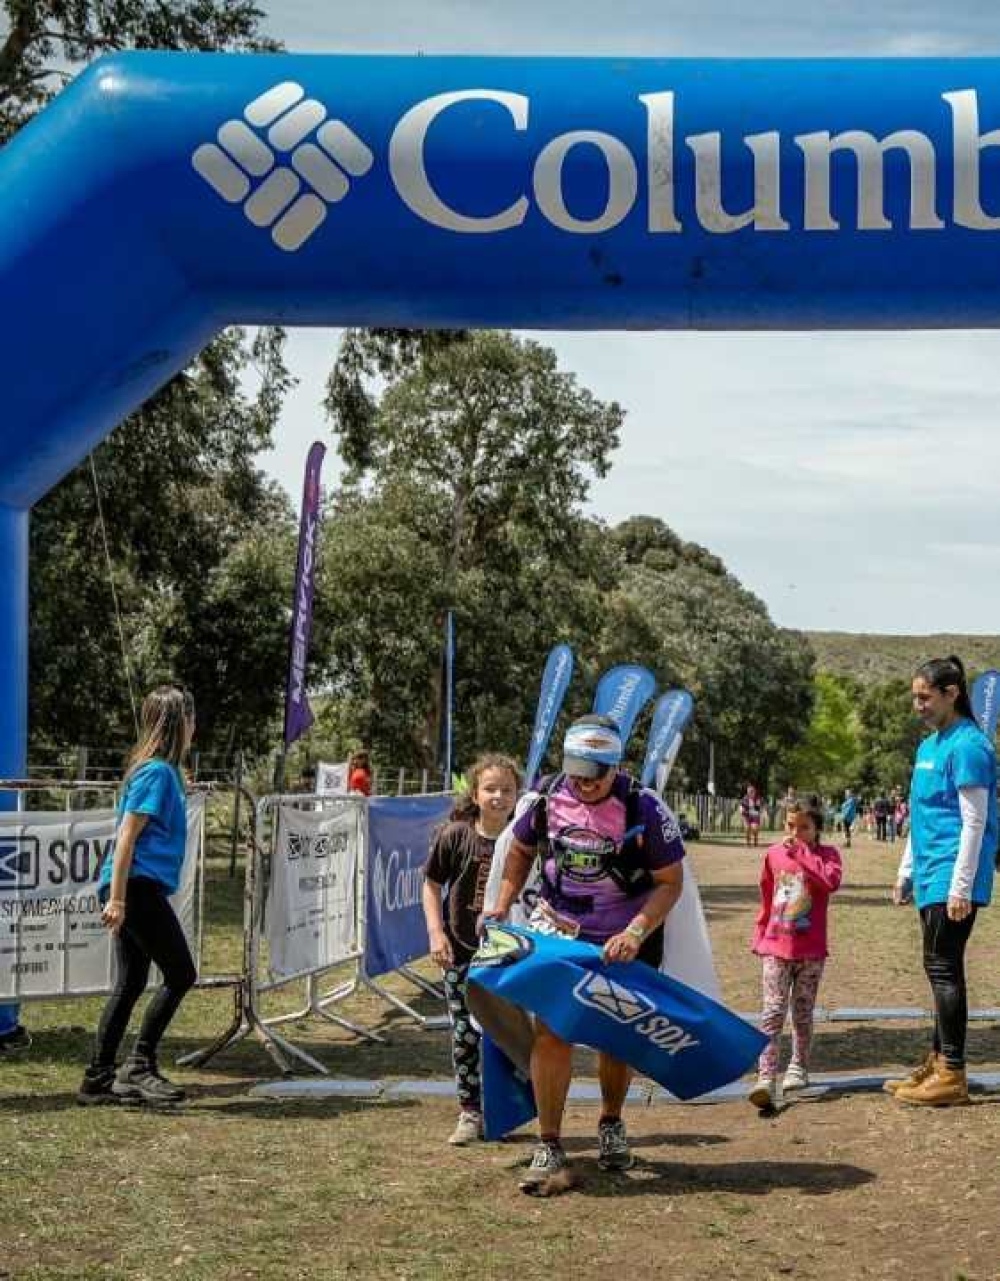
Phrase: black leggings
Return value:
(652, 948)
(944, 965)
(151, 932)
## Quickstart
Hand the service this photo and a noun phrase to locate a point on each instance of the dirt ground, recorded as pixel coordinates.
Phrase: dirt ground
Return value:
(235, 1186)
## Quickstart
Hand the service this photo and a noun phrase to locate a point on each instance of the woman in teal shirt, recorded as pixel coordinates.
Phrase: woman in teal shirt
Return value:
(134, 887)
(947, 866)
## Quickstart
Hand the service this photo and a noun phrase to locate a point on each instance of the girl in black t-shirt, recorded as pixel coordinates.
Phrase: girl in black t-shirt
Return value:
(459, 865)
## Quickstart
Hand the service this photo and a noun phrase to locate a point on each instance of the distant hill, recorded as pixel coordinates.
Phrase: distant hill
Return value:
(874, 659)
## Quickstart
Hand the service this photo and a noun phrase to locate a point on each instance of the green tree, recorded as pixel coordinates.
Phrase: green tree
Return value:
(890, 734)
(699, 628)
(829, 758)
(471, 454)
(199, 587)
(184, 511)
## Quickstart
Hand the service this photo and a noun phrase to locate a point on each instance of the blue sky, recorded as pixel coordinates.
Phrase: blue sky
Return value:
(850, 480)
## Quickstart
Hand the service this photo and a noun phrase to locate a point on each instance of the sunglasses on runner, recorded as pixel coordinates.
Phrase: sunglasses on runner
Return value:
(597, 772)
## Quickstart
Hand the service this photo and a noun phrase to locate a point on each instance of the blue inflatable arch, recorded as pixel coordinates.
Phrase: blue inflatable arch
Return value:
(164, 196)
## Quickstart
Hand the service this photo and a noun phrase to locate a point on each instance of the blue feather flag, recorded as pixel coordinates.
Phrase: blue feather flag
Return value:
(985, 699)
(555, 682)
(670, 718)
(622, 693)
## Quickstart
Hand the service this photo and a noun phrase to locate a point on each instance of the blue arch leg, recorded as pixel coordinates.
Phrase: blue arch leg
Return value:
(13, 668)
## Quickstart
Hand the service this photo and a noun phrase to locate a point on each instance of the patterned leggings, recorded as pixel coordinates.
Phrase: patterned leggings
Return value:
(783, 979)
(464, 1039)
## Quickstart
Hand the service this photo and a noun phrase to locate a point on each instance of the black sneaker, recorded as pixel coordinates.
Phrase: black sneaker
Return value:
(614, 1152)
(548, 1159)
(139, 1080)
(96, 1087)
(18, 1038)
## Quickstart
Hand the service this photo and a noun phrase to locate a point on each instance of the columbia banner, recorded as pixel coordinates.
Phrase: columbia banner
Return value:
(622, 693)
(686, 1042)
(311, 922)
(52, 942)
(555, 682)
(985, 696)
(400, 832)
(670, 717)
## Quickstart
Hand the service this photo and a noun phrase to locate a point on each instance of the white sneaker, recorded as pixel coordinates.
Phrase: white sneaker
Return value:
(796, 1078)
(468, 1129)
(547, 1161)
(763, 1093)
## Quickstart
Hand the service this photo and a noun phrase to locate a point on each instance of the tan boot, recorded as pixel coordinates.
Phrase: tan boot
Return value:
(945, 1088)
(917, 1077)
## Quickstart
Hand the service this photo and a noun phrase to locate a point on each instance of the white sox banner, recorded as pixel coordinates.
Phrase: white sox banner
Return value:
(311, 912)
(331, 779)
(52, 942)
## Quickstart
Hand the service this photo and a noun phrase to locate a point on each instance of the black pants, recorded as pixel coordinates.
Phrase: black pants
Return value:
(465, 1038)
(151, 933)
(944, 965)
(652, 948)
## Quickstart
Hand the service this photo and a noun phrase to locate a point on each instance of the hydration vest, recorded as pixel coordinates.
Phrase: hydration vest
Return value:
(605, 858)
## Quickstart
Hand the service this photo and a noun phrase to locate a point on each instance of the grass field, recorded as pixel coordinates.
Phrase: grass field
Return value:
(234, 1186)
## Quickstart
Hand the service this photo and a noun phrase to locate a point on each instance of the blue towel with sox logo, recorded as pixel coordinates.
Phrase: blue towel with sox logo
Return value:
(679, 1038)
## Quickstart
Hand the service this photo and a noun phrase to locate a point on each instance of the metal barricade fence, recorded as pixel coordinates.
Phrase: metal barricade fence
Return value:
(48, 883)
(712, 815)
(323, 837)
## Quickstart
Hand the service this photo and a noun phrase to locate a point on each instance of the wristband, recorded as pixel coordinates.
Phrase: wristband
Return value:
(638, 932)
(116, 902)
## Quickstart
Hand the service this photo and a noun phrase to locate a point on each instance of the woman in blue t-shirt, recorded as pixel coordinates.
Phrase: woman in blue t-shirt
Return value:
(134, 887)
(947, 866)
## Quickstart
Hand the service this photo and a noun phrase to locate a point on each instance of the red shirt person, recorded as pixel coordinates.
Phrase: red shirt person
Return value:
(359, 774)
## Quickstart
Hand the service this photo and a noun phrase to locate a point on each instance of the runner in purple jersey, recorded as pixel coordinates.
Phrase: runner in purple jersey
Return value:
(583, 840)
(612, 870)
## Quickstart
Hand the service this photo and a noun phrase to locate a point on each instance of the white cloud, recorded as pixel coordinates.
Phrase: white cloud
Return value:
(845, 478)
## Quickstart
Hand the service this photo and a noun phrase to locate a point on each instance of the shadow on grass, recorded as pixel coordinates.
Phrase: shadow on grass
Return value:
(232, 1100)
(745, 1178)
(725, 900)
(730, 900)
(411, 1051)
(242, 1105)
(858, 1046)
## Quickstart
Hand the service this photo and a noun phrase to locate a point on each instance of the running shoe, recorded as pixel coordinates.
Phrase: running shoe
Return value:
(614, 1152)
(18, 1038)
(97, 1087)
(762, 1095)
(548, 1159)
(795, 1078)
(140, 1081)
(468, 1129)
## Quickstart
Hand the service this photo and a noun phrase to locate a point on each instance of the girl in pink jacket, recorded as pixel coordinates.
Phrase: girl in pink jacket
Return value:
(797, 877)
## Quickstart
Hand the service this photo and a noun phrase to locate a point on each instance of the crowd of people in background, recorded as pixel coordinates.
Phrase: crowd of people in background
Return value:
(883, 816)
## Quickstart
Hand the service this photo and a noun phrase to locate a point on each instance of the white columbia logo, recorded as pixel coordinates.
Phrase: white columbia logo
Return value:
(611, 998)
(284, 162)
